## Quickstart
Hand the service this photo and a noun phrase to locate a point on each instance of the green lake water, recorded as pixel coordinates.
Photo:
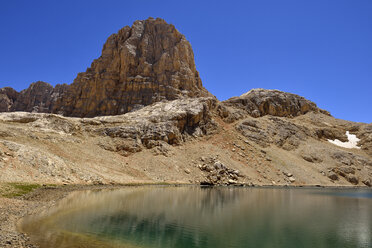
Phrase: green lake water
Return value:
(187, 217)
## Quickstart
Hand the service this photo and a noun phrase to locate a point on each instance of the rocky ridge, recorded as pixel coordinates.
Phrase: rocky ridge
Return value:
(261, 102)
(165, 141)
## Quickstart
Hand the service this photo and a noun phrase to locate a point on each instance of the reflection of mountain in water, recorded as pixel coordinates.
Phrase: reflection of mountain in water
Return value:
(217, 217)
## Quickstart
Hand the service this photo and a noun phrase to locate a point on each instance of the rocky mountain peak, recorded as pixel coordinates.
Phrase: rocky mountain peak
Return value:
(139, 65)
(146, 63)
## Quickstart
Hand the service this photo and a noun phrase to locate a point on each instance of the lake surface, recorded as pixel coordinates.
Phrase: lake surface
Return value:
(180, 217)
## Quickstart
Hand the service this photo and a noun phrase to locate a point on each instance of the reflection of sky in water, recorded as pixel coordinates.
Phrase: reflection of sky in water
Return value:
(213, 217)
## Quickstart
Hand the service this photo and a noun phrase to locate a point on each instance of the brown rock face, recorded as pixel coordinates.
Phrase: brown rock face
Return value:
(139, 65)
(7, 98)
(39, 97)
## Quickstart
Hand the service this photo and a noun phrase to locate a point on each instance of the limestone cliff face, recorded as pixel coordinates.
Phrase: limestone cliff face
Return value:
(139, 65)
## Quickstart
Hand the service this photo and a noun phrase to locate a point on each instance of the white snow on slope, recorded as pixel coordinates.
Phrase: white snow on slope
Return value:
(352, 143)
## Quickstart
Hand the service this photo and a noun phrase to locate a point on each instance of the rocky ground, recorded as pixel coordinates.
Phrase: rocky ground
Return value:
(170, 141)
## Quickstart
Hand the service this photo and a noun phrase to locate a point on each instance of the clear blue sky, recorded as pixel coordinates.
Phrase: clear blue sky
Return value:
(320, 49)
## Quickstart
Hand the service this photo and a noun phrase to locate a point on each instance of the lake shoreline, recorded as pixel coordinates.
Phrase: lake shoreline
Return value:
(14, 209)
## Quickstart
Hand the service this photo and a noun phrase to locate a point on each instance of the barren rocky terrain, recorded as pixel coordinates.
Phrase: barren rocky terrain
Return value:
(140, 114)
(187, 140)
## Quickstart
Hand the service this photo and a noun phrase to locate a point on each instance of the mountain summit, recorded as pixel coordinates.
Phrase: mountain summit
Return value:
(146, 63)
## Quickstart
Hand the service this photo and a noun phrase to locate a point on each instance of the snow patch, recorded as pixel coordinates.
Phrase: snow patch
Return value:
(352, 143)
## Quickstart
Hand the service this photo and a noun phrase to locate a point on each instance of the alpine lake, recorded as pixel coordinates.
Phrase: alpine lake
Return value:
(194, 216)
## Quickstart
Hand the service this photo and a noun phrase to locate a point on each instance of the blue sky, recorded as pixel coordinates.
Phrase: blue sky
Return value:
(320, 49)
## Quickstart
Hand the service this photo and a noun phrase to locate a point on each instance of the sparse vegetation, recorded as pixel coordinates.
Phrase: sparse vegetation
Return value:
(11, 190)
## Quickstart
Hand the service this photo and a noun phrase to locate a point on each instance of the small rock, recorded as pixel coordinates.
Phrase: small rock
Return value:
(332, 176)
(367, 182)
(206, 183)
(187, 171)
(218, 165)
(233, 150)
(231, 181)
(343, 170)
(236, 172)
(292, 179)
(255, 113)
(288, 174)
(352, 179)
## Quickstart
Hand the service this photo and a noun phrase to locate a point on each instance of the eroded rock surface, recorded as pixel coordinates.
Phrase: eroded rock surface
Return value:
(7, 98)
(282, 133)
(146, 63)
(261, 102)
(166, 122)
(153, 127)
(139, 65)
(151, 142)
